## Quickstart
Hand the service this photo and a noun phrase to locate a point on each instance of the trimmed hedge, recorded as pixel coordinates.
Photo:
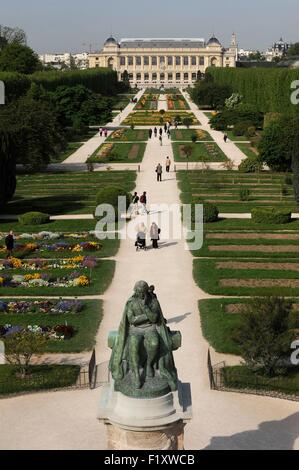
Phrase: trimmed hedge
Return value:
(7, 166)
(267, 89)
(34, 218)
(110, 196)
(271, 216)
(250, 165)
(16, 85)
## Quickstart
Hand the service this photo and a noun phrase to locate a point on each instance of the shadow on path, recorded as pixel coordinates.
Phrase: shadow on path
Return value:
(270, 435)
(179, 318)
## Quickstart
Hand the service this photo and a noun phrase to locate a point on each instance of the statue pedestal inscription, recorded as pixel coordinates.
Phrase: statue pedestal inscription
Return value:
(144, 407)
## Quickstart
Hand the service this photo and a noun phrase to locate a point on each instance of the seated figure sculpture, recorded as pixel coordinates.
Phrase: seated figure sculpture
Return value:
(143, 345)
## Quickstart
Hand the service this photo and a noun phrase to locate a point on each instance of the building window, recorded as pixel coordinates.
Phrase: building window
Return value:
(177, 60)
(154, 60)
(194, 77)
(130, 76)
(169, 60)
(97, 58)
(122, 61)
(170, 76)
(186, 76)
(162, 76)
(138, 60)
(186, 60)
(193, 60)
(162, 60)
(130, 60)
(138, 77)
(154, 76)
(213, 62)
(201, 61)
(146, 60)
(97, 65)
(178, 76)
(146, 77)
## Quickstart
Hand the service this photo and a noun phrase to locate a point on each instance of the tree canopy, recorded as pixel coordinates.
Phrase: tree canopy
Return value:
(17, 57)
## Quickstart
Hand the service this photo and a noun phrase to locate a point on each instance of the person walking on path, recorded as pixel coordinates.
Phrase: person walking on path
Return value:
(160, 140)
(161, 131)
(155, 131)
(9, 243)
(225, 137)
(159, 171)
(101, 131)
(135, 200)
(150, 133)
(167, 164)
(168, 133)
(154, 234)
(143, 202)
(106, 133)
(165, 127)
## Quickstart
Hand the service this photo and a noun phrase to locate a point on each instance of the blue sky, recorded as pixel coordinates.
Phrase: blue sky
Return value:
(65, 25)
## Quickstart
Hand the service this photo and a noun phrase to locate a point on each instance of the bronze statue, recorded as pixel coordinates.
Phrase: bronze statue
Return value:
(142, 348)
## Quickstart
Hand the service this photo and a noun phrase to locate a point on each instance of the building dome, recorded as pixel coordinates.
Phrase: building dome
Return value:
(110, 42)
(213, 42)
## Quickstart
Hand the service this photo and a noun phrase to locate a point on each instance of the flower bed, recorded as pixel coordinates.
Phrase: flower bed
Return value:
(47, 307)
(38, 264)
(75, 279)
(24, 249)
(57, 332)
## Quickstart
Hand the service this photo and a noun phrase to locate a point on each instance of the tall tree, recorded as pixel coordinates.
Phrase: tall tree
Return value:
(19, 58)
(11, 35)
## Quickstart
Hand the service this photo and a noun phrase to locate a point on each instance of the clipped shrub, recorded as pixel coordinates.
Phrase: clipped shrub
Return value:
(250, 132)
(244, 194)
(110, 196)
(210, 213)
(250, 165)
(34, 218)
(271, 215)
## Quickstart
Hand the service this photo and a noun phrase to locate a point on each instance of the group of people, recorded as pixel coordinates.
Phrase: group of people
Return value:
(155, 132)
(103, 131)
(159, 169)
(139, 203)
(141, 236)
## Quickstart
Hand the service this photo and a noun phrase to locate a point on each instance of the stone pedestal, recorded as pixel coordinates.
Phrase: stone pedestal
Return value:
(145, 423)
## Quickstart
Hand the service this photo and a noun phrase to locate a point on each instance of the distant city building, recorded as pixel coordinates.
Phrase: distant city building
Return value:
(277, 50)
(166, 62)
(65, 60)
(244, 54)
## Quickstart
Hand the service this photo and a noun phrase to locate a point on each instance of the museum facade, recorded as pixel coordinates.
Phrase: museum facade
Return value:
(168, 62)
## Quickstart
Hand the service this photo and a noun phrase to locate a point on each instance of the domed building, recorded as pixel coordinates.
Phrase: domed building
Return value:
(164, 61)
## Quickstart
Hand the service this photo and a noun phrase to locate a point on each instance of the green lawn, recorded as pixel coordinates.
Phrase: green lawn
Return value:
(255, 280)
(101, 278)
(64, 193)
(222, 188)
(71, 148)
(128, 135)
(207, 152)
(248, 225)
(119, 153)
(153, 118)
(236, 138)
(40, 378)
(181, 135)
(247, 149)
(86, 324)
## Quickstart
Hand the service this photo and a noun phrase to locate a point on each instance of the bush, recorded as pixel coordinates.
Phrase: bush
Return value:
(34, 218)
(240, 129)
(271, 215)
(288, 180)
(250, 165)
(244, 194)
(110, 196)
(250, 132)
(210, 213)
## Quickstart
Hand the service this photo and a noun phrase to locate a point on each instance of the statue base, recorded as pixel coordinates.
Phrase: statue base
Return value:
(145, 423)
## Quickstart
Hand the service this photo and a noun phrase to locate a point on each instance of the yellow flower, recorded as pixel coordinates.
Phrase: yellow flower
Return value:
(77, 259)
(17, 263)
(1, 281)
(29, 277)
(31, 246)
(82, 281)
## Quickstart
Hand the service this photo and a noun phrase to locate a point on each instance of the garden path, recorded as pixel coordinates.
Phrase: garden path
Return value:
(162, 103)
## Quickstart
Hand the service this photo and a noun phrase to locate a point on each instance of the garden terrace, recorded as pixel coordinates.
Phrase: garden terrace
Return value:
(176, 102)
(147, 102)
(155, 118)
(119, 153)
(64, 193)
(85, 322)
(182, 135)
(128, 135)
(201, 152)
(221, 317)
(222, 188)
(257, 277)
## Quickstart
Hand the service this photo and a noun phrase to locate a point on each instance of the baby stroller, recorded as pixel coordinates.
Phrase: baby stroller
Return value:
(140, 241)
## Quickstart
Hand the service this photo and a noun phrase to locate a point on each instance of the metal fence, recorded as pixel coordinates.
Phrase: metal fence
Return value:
(223, 378)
